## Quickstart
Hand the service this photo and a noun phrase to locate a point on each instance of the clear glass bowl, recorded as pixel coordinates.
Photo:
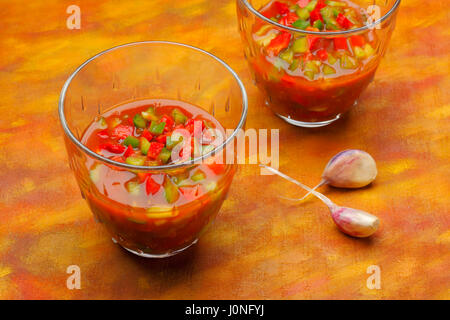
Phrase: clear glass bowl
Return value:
(144, 70)
(314, 98)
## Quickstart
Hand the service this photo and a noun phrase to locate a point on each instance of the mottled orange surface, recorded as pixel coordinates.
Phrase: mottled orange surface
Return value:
(260, 247)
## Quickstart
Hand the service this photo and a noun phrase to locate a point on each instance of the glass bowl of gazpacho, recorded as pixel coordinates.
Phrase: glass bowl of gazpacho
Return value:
(146, 125)
(313, 58)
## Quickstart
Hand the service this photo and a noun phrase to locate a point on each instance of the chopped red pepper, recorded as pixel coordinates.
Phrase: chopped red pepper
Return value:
(122, 131)
(289, 19)
(303, 3)
(161, 139)
(313, 42)
(103, 134)
(147, 135)
(357, 41)
(129, 151)
(340, 43)
(320, 4)
(113, 148)
(279, 43)
(282, 8)
(322, 54)
(315, 15)
(154, 150)
(168, 120)
(151, 186)
(343, 21)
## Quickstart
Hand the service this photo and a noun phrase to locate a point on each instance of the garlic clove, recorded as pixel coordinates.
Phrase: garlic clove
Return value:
(354, 222)
(350, 169)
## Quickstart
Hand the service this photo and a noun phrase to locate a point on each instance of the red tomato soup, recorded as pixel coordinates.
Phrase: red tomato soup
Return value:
(154, 212)
(312, 78)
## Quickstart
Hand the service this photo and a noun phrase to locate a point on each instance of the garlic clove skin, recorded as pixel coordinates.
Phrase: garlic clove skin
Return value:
(355, 223)
(350, 169)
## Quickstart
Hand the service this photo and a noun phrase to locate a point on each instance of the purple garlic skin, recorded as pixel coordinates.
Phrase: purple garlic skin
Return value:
(354, 222)
(350, 169)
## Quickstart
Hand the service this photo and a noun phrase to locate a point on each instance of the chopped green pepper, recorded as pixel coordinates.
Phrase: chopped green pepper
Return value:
(301, 24)
(294, 7)
(164, 155)
(294, 65)
(139, 121)
(328, 17)
(102, 123)
(348, 62)
(300, 45)
(170, 190)
(303, 13)
(318, 24)
(313, 66)
(157, 127)
(198, 176)
(179, 116)
(150, 114)
(145, 145)
(359, 52)
(287, 55)
(311, 6)
(310, 74)
(327, 70)
(181, 179)
(136, 161)
(133, 187)
(331, 59)
(335, 3)
(131, 140)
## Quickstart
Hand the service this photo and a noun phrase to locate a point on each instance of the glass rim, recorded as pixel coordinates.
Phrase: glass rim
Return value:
(95, 155)
(322, 33)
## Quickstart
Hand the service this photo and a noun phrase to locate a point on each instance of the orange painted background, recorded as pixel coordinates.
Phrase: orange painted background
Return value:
(260, 247)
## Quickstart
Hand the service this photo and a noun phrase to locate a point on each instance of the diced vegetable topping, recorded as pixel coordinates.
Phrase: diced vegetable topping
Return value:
(279, 43)
(102, 123)
(133, 187)
(133, 141)
(157, 128)
(343, 53)
(164, 155)
(136, 161)
(139, 121)
(151, 187)
(150, 114)
(171, 192)
(141, 142)
(145, 145)
(198, 175)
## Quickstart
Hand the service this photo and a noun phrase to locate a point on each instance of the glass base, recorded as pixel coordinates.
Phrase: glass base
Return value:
(148, 255)
(309, 124)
